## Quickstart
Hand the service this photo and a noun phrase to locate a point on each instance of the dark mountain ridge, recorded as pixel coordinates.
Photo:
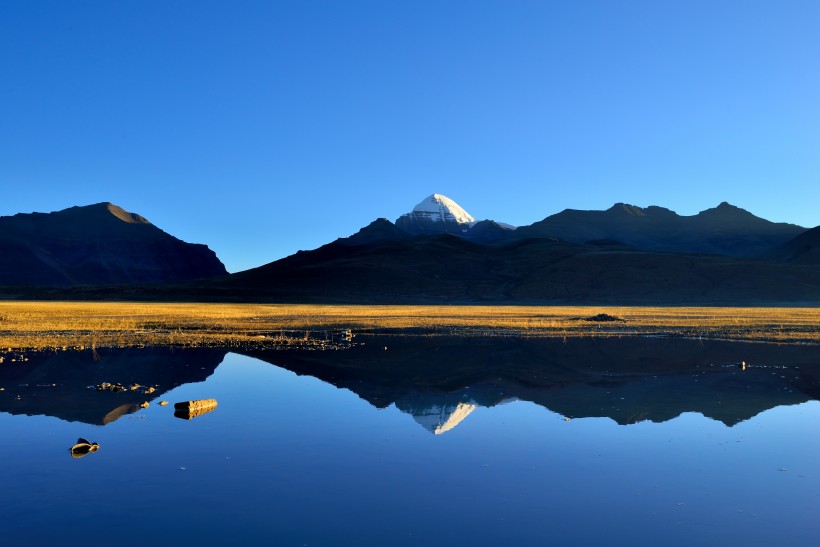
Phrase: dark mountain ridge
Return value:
(447, 268)
(724, 230)
(96, 244)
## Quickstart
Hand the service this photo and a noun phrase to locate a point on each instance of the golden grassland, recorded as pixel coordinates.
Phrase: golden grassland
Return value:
(44, 325)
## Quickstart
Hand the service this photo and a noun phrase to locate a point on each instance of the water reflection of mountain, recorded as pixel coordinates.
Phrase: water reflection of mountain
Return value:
(438, 413)
(439, 380)
(58, 384)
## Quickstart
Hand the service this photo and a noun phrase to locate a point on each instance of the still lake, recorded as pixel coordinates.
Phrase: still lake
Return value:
(418, 441)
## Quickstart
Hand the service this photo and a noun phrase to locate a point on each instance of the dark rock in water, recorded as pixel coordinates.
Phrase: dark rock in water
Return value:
(96, 244)
(83, 448)
(192, 405)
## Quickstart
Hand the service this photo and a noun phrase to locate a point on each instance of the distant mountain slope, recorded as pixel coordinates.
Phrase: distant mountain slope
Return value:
(725, 229)
(446, 268)
(95, 244)
(804, 249)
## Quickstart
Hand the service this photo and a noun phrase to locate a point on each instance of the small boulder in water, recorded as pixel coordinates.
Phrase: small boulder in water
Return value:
(83, 447)
(188, 410)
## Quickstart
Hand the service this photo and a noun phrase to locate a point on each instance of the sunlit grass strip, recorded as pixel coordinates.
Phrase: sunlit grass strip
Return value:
(41, 325)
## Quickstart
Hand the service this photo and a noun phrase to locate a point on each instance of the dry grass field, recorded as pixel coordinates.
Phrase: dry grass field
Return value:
(45, 325)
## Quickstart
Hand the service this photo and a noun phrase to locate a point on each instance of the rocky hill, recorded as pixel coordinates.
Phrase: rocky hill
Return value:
(96, 244)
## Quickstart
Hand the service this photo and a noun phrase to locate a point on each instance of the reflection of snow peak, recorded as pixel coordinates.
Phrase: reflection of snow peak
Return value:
(440, 419)
(438, 208)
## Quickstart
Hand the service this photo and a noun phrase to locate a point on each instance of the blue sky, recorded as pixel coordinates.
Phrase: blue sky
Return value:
(262, 128)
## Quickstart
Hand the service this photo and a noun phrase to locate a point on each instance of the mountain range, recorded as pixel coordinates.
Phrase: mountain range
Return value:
(437, 252)
(624, 255)
(723, 230)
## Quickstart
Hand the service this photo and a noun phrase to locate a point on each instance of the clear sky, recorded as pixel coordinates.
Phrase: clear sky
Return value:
(261, 128)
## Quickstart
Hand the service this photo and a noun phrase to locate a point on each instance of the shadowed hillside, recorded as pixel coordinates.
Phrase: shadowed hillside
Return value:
(96, 244)
(804, 249)
(447, 268)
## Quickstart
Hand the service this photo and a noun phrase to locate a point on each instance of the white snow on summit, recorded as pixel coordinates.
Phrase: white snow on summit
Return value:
(438, 214)
(439, 208)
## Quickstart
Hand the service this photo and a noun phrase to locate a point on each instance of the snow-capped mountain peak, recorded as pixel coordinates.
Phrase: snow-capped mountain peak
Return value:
(434, 215)
(439, 208)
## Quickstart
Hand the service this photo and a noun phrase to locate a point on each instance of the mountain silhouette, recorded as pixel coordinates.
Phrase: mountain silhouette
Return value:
(448, 268)
(724, 230)
(437, 253)
(625, 255)
(96, 244)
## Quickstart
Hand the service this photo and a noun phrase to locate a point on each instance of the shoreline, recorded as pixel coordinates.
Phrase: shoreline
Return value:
(31, 326)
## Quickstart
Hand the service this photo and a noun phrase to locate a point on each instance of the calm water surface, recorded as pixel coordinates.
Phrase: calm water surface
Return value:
(429, 442)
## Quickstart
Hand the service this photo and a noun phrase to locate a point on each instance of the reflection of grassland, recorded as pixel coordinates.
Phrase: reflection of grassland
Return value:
(56, 324)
